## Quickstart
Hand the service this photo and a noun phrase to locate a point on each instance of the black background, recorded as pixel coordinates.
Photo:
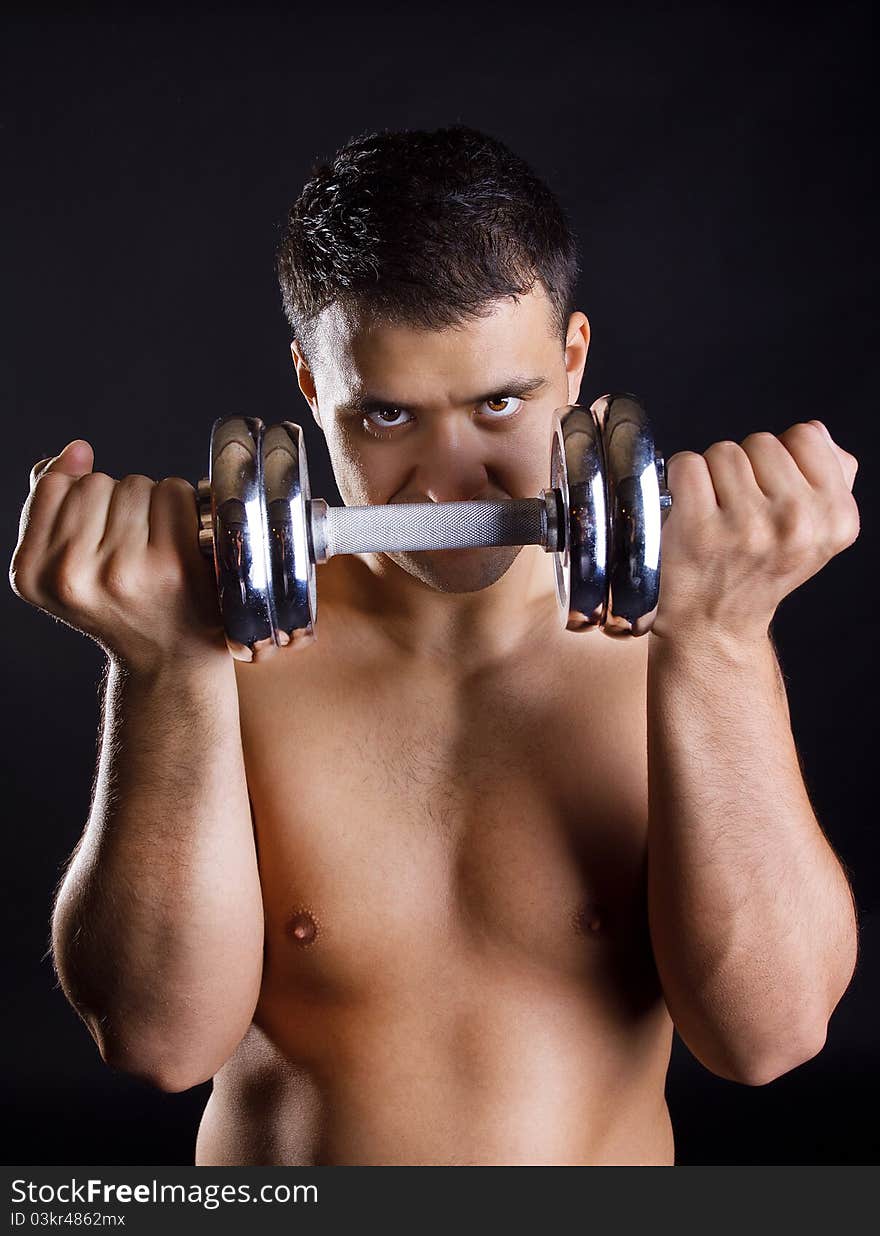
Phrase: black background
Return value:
(717, 164)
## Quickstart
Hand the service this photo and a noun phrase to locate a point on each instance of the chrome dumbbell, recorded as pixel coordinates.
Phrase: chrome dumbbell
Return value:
(601, 519)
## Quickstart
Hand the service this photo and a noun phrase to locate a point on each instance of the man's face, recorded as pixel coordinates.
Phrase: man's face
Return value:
(444, 416)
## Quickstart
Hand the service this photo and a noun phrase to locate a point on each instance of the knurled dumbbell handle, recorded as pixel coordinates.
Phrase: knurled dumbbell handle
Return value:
(434, 525)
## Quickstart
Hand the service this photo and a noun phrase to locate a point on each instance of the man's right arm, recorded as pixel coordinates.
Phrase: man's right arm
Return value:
(157, 928)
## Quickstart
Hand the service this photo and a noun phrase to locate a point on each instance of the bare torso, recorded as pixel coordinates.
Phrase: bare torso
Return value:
(457, 966)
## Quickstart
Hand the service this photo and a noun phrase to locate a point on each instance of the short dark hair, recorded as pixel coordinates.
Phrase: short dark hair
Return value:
(423, 229)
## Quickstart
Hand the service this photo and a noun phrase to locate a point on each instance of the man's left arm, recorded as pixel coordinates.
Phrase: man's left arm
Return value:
(752, 919)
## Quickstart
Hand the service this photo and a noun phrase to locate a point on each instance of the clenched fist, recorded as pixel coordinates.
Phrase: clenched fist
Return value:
(749, 524)
(119, 561)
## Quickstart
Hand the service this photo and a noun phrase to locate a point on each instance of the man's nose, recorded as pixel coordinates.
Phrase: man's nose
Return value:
(452, 464)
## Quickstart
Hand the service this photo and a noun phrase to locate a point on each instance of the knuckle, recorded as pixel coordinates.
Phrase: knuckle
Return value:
(761, 437)
(684, 459)
(177, 495)
(806, 429)
(135, 480)
(177, 483)
(67, 591)
(68, 579)
(724, 444)
(118, 576)
(796, 526)
(93, 483)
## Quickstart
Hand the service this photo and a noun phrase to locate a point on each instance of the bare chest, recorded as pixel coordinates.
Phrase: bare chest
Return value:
(406, 821)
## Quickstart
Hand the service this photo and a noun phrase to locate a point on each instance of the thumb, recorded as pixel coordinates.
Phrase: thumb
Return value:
(76, 459)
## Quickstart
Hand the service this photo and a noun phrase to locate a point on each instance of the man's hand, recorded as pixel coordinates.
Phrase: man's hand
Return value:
(748, 525)
(119, 561)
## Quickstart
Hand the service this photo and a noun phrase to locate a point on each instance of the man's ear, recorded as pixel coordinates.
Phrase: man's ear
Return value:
(306, 381)
(577, 345)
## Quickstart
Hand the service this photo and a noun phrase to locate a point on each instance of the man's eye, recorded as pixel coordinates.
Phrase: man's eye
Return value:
(387, 418)
(499, 406)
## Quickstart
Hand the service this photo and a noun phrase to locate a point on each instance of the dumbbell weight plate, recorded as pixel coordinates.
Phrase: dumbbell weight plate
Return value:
(635, 487)
(293, 593)
(232, 516)
(579, 475)
(559, 485)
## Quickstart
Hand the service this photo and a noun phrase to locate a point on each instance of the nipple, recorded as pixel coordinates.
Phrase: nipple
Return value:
(302, 927)
(589, 918)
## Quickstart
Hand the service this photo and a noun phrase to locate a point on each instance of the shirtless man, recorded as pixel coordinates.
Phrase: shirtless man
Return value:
(435, 888)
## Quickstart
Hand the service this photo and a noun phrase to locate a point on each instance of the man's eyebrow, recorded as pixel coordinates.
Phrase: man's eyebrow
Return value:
(520, 387)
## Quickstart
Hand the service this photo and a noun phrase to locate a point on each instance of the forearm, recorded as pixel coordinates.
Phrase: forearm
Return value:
(158, 925)
(751, 915)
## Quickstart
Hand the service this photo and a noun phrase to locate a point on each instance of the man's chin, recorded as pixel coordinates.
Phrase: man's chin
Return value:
(458, 570)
